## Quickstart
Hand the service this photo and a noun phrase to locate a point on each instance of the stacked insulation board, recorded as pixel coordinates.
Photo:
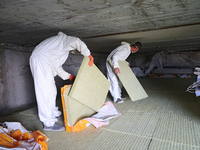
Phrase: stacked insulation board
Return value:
(87, 95)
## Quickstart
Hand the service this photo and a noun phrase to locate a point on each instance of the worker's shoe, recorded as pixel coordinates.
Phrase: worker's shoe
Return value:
(55, 127)
(118, 101)
(123, 98)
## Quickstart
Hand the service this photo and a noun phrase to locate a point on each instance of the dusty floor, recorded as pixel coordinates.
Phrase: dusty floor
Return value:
(169, 119)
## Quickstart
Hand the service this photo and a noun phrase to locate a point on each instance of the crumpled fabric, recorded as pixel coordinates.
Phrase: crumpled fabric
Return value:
(107, 112)
(14, 136)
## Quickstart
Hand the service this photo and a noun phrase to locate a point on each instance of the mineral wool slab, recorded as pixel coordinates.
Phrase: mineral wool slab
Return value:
(88, 93)
(90, 87)
(130, 82)
(73, 110)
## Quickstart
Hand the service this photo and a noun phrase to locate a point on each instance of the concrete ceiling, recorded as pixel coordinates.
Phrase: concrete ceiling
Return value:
(103, 24)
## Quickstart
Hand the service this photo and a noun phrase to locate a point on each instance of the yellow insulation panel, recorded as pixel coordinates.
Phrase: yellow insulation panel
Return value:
(74, 109)
(88, 93)
(90, 87)
(130, 82)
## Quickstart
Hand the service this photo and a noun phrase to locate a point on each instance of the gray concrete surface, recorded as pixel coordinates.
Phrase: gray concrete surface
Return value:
(103, 24)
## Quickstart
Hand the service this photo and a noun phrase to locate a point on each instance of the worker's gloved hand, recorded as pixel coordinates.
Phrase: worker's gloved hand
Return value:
(117, 71)
(91, 60)
(72, 78)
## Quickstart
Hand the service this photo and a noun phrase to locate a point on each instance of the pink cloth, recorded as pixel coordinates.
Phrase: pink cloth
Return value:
(108, 111)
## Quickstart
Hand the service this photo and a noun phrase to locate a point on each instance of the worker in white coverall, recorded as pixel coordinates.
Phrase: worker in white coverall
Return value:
(46, 62)
(120, 53)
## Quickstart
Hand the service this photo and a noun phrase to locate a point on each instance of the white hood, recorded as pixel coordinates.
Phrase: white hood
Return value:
(124, 43)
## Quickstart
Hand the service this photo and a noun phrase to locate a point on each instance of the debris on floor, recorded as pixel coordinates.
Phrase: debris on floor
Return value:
(195, 87)
(14, 135)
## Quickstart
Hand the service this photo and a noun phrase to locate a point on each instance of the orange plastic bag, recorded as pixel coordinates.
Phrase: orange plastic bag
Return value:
(27, 136)
(41, 139)
(80, 125)
(17, 135)
(8, 141)
(14, 138)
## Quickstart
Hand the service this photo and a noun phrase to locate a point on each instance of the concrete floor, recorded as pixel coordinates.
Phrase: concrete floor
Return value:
(169, 119)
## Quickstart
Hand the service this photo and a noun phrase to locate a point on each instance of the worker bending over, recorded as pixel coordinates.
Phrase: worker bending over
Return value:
(46, 62)
(120, 53)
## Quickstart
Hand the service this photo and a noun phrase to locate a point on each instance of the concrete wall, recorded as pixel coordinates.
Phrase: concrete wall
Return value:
(17, 91)
(2, 84)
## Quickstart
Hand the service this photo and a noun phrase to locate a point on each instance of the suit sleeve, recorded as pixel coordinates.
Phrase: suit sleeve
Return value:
(115, 59)
(63, 74)
(80, 46)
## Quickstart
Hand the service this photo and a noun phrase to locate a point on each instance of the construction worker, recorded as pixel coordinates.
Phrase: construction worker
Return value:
(46, 62)
(120, 53)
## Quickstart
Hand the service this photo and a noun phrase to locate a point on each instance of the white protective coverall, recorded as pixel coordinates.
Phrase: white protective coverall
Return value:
(120, 53)
(46, 62)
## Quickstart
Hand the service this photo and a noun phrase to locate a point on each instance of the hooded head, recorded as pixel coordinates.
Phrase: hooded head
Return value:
(136, 47)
